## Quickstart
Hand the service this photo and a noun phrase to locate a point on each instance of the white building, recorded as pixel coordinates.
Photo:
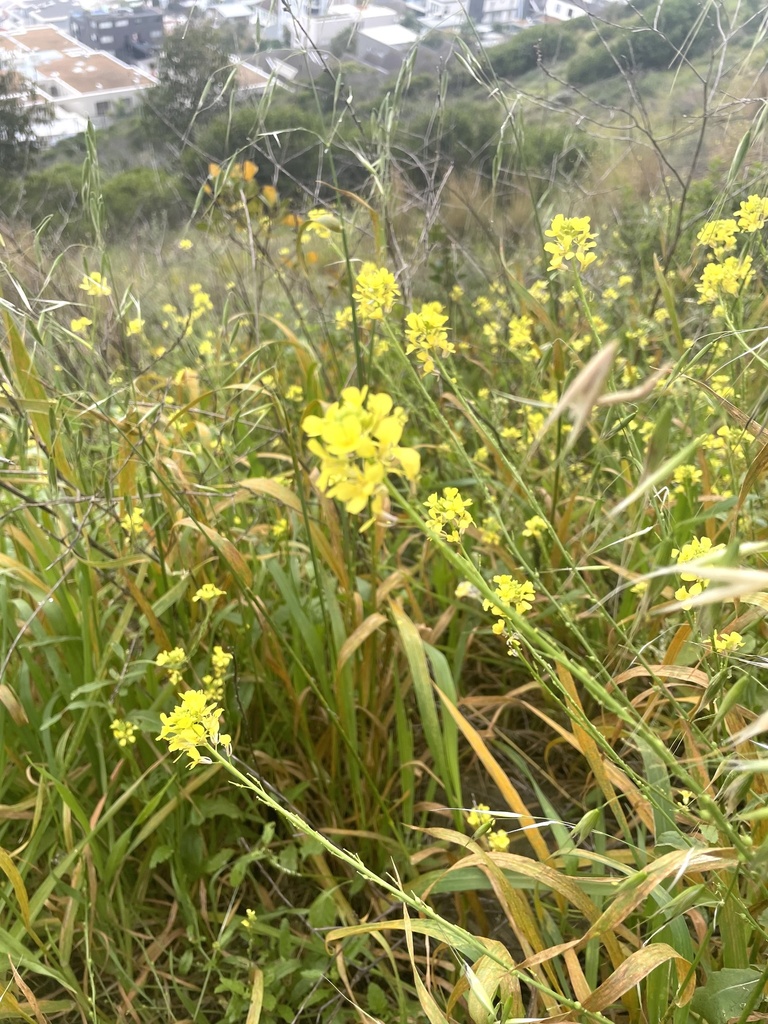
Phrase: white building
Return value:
(78, 83)
(321, 21)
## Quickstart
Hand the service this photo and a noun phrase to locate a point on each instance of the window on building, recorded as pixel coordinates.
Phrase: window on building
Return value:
(570, 12)
(107, 39)
(122, 23)
(102, 108)
(105, 24)
(156, 33)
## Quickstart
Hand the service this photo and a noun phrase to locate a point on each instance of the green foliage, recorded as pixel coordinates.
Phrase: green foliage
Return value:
(677, 33)
(19, 116)
(523, 52)
(195, 83)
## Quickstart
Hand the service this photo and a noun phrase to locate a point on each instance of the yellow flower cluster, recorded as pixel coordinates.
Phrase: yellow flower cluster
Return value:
(213, 683)
(448, 516)
(201, 304)
(192, 724)
(172, 661)
(375, 292)
(96, 285)
(133, 522)
(520, 338)
(696, 548)
(725, 643)
(719, 235)
(752, 213)
(480, 816)
(726, 278)
(358, 447)
(535, 527)
(572, 240)
(124, 732)
(515, 594)
(80, 324)
(426, 333)
(686, 477)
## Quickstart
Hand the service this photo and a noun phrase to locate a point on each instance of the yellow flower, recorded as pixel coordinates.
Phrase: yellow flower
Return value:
(694, 549)
(208, 592)
(498, 841)
(192, 724)
(572, 240)
(279, 528)
(95, 284)
(727, 278)
(319, 221)
(466, 589)
(719, 235)
(534, 527)
(479, 816)
(295, 393)
(685, 477)
(753, 213)
(375, 292)
(134, 326)
(133, 522)
(448, 516)
(357, 442)
(724, 643)
(124, 732)
(186, 243)
(426, 334)
(171, 659)
(513, 593)
(79, 324)
(456, 293)
(343, 318)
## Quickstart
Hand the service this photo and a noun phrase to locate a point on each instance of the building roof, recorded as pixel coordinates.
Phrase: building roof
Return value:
(390, 35)
(40, 39)
(249, 77)
(95, 71)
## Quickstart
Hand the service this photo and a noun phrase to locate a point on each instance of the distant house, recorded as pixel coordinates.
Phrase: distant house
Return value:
(77, 82)
(565, 10)
(320, 21)
(385, 46)
(129, 33)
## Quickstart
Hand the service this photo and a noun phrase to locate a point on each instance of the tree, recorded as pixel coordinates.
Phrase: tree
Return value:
(195, 82)
(19, 116)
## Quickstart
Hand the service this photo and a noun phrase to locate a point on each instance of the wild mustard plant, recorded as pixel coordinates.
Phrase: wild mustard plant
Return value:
(447, 515)
(698, 547)
(427, 334)
(359, 447)
(572, 240)
(95, 285)
(193, 728)
(375, 293)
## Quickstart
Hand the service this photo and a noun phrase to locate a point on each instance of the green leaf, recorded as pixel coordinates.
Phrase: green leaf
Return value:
(725, 994)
